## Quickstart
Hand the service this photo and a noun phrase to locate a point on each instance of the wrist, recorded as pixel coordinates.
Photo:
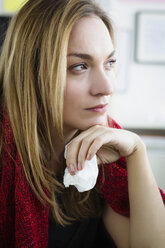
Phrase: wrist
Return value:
(139, 149)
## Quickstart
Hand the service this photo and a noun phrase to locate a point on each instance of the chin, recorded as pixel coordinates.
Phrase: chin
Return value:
(88, 124)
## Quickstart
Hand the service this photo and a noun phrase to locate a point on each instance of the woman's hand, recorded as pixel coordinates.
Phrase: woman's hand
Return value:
(109, 144)
(147, 217)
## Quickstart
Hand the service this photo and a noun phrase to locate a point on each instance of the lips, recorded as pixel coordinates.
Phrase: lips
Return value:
(98, 106)
(101, 108)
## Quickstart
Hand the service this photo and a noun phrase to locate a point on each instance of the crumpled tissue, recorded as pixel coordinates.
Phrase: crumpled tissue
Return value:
(84, 179)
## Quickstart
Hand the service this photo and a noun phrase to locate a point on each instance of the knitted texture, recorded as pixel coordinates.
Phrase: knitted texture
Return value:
(23, 219)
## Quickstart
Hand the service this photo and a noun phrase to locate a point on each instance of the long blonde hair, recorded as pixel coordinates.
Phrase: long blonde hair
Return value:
(32, 66)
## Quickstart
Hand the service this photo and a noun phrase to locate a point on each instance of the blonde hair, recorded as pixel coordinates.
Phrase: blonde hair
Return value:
(32, 67)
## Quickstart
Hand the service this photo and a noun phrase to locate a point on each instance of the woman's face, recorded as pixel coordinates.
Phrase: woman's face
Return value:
(90, 74)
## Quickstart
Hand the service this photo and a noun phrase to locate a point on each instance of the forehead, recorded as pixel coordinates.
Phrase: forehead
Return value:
(90, 35)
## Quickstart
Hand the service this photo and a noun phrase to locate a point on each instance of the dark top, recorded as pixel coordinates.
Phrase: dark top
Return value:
(87, 233)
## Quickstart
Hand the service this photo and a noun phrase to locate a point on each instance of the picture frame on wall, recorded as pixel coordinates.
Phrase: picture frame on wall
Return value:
(150, 37)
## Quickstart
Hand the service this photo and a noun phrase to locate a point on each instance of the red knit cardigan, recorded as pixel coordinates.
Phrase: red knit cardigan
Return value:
(23, 219)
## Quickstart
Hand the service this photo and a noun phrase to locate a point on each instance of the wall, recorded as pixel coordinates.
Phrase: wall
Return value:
(140, 103)
(156, 155)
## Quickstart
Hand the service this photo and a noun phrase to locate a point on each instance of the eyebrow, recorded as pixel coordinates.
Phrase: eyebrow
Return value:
(87, 56)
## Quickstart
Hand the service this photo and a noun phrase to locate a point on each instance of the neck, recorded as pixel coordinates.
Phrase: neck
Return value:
(60, 142)
(57, 156)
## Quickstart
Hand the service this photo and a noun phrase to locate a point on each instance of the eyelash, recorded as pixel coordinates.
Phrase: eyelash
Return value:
(112, 61)
(78, 65)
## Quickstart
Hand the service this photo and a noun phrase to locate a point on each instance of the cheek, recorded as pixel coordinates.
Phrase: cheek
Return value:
(73, 98)
(73, 106)
(75, 92)
(70, 96)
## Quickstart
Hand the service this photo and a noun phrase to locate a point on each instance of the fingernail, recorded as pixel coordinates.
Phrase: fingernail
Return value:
(79, 166)
(71, 168)
(89, 157)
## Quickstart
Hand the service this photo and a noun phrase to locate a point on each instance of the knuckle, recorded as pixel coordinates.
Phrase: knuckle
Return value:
(98, 127)
(75, 140)
(86, 142)
(70, 161)
(95, 128)
(99, 140)
(71, 147)
(70, 158)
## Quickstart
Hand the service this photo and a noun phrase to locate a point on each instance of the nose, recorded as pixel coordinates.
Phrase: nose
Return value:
(102, 82)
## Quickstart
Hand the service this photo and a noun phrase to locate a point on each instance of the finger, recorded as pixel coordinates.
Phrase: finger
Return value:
(95, 146)
(74, 158)
(83, 151)
(71, 156)
(85, 133)
(79, 146)
(86, 143)
(98, 142)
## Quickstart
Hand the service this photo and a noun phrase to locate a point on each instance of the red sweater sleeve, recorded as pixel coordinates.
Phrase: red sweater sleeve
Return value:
(113, 182)
(7, 175)
(23, 219)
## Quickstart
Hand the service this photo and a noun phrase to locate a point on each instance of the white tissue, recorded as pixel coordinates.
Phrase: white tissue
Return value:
(84, 179)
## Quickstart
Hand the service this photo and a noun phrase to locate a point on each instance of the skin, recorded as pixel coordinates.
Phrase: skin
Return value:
(90, 82)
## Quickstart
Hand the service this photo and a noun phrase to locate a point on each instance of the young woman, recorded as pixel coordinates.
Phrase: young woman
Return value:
(56, 79)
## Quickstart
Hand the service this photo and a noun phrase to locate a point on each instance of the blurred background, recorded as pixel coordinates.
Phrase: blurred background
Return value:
(139, 102)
